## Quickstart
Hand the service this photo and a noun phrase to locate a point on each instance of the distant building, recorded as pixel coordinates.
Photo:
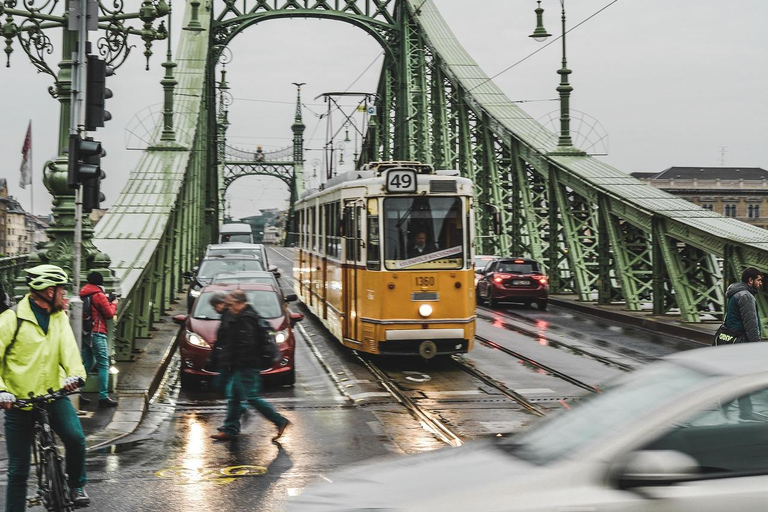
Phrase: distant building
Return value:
(20, 232)
(739, 192)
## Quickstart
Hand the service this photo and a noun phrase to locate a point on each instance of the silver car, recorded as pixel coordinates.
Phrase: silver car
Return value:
(686, 434)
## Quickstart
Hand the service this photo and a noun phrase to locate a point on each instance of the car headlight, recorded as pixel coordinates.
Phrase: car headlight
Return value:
(196, 340)
(425, 310)
(281, 336)
(194, 292)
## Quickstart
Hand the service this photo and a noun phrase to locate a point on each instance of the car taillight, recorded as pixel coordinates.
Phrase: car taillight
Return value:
(500, 277)
(541, 279)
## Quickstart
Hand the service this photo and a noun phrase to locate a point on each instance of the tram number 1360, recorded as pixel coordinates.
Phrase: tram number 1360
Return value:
(401, 180)
(424, 281)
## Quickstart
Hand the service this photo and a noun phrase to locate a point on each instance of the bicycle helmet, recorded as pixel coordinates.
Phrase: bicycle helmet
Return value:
(45, 276)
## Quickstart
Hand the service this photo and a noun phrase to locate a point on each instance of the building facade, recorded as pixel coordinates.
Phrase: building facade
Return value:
(20, 231)
(738, 192)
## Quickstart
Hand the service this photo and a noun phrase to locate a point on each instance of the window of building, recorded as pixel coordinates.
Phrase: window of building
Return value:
(753, 211)
(707, 206)
(730, 210)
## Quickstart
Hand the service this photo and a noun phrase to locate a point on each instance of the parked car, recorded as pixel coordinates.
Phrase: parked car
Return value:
(211, 265)
(481, 261)
(674, 436)
(198, 336)
(513, 280)
(241, 248)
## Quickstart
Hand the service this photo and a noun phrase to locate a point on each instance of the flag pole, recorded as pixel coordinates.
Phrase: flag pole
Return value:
(31, 174)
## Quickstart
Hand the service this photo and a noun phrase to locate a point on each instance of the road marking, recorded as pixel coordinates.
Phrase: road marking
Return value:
(220, 476)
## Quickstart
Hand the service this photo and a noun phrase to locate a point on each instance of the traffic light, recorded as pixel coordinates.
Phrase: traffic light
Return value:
(96, 92)
(85, 168)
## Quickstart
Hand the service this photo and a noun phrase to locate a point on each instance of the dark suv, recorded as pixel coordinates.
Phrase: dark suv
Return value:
(218, 264)
(513, 280)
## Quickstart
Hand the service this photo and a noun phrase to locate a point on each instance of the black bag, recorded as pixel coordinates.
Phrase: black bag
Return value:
(87, 316)
(270, 353)
(726, 336)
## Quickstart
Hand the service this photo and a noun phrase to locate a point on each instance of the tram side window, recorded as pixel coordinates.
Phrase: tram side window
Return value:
(374, 255)
(312, 228)
(332, 227)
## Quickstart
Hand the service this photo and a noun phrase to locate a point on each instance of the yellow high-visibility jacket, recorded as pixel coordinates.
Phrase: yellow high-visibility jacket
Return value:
(37, 362)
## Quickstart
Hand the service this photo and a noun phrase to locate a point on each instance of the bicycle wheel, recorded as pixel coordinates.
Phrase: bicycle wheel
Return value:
(58, 499)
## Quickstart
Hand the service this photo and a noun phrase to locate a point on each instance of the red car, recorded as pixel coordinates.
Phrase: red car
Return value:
(513, 280)
(197, 337)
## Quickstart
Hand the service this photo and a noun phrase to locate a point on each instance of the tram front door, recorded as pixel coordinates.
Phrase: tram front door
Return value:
(353, 216)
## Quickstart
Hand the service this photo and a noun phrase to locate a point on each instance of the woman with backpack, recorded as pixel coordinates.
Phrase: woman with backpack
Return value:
(97, 309)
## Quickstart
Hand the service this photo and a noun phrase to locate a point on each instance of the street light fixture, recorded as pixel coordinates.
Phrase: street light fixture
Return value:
(564, 143)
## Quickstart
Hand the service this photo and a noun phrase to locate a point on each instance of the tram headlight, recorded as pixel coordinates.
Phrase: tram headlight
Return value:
(425, 310)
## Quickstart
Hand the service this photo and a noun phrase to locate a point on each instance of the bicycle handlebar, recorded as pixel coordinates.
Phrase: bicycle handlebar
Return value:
(47, 398)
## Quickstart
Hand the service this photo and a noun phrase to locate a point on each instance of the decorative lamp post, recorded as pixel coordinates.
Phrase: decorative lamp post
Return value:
(564, 143)
(28, 23)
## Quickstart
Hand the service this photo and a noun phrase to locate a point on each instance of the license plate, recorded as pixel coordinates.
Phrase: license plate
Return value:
(521, 282)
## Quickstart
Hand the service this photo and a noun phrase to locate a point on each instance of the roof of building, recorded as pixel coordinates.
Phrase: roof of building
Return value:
(706, 173)
(12, 205)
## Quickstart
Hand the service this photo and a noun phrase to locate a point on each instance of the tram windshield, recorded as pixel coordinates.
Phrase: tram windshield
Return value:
(424, 233)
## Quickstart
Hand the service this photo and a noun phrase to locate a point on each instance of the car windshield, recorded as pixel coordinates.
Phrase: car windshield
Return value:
(481, 262)
(424, 233)
(265, 302)
(518, 268)
(599, 417)
(235, 237)
(211, 267)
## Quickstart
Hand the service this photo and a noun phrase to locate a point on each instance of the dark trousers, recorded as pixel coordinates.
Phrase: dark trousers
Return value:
(245, 386)
(19, 436)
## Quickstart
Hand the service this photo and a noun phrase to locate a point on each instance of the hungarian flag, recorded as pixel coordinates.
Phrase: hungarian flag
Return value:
(26, 160)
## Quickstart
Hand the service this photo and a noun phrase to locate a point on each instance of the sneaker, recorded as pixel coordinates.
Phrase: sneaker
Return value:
(750, 418)
(281, 430)
(79, 497)
(107, 402)
(223, 436)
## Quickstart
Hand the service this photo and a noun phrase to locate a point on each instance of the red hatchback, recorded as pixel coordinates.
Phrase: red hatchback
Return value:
(513, 280)
(197, 336)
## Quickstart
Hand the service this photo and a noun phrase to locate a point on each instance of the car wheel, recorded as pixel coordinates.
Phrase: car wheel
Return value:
(189, 381)
(288, 378)
(542, 304)
(478, 297)
(491, 301)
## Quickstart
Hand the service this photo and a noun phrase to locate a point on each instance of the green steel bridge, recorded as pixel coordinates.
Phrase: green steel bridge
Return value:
(602, 234)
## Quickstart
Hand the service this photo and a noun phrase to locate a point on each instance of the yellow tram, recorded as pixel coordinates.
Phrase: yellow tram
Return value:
(384, 259)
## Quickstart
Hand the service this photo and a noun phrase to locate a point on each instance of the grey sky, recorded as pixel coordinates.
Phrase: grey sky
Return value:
(671, 83)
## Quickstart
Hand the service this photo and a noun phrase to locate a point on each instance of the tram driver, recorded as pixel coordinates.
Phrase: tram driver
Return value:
(420, 245)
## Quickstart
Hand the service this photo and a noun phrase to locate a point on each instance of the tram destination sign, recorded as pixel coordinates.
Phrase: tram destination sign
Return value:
(401, 181)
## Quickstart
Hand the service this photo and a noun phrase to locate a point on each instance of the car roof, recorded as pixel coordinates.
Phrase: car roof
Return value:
(739, 359)
(236, 256)
(488, 256)
(241, 286)
(509, 259)
(234, 245)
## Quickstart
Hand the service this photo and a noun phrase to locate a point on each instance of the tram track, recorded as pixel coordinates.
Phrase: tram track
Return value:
(516, 327)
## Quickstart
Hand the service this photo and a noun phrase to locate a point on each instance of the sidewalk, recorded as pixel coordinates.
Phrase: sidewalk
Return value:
(137, 382)
(667, 324)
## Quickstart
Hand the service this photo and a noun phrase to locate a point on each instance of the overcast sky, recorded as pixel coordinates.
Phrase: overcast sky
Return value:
(670, 83)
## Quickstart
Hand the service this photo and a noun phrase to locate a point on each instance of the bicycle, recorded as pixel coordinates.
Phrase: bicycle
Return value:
(52, 491)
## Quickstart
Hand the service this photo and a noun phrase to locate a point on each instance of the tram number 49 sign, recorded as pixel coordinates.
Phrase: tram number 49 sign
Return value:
(401, 180)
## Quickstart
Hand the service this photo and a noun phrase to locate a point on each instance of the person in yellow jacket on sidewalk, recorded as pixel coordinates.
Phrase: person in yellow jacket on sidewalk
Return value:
(35, 353)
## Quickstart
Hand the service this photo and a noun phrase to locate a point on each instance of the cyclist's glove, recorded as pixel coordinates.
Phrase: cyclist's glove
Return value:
(6, 397)
(71, 380)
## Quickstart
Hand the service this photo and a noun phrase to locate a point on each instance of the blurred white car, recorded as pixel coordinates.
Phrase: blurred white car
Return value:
(686, 434)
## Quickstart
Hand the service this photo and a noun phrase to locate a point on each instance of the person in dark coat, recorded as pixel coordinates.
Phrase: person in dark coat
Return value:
(741, 310)
(245, 342)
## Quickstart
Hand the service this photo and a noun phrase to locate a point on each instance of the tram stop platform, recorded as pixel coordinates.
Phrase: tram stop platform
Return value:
(671, 324)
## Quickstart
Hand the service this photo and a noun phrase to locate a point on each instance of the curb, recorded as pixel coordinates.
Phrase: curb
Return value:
(699, 335)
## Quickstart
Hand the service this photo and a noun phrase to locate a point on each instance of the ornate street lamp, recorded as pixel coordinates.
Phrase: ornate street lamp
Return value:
(28, 23)
(564, 143)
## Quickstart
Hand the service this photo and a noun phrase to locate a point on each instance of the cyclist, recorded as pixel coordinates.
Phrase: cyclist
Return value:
(35, 353)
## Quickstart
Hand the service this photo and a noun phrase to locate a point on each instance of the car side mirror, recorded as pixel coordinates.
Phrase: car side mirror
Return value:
(274, 270)
(180, 319)
(296, 317)
(291, 297)
(653, 468)
(188, 276)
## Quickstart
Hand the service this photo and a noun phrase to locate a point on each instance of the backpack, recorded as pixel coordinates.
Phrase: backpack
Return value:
(19, 321)
(269, 352)
(87, 315)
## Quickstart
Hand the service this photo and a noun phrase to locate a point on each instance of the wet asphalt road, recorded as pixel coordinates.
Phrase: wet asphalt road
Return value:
(341, 415)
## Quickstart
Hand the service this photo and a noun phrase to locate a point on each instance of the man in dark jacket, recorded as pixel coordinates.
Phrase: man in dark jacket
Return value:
(94, 348)
(741, 310)
(243, 355)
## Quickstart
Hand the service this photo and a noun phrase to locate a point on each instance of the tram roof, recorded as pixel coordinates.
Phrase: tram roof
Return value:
(364, 178)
